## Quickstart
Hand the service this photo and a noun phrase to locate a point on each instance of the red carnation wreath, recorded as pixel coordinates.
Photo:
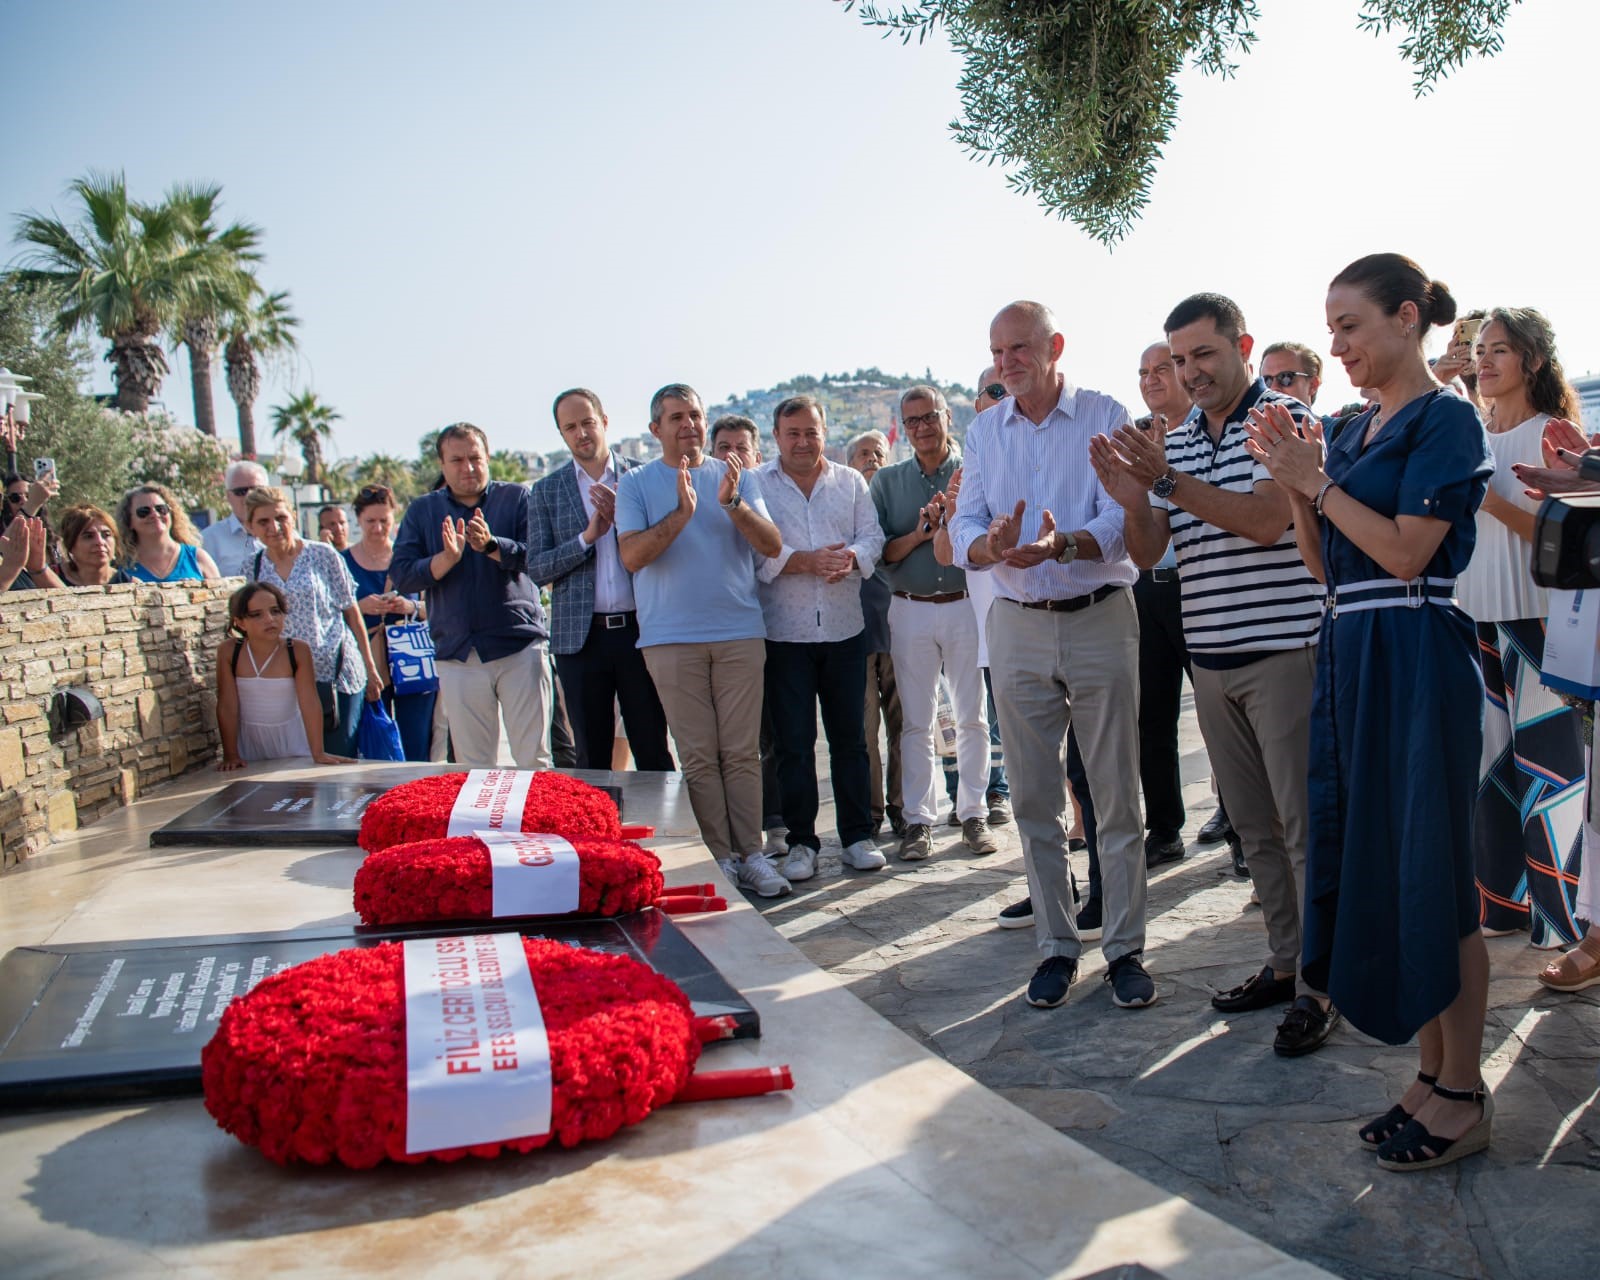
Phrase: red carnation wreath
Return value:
(310, 1066)
(451, 879)
(420, 810)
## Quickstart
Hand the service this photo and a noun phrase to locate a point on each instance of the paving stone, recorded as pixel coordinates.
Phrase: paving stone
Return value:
(1197, 1102)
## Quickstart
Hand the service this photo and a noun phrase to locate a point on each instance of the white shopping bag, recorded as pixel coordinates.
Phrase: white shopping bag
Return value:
(1572, 643)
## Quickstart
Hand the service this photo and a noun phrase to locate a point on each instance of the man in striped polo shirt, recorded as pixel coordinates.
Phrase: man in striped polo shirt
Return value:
(1251, 614)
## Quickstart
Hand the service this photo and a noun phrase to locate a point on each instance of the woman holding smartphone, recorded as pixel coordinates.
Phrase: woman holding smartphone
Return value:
(1527, 832)
(368, 559)
(1385, 519)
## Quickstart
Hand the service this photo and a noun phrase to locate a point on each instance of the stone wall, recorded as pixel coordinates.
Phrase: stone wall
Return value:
(148, 654)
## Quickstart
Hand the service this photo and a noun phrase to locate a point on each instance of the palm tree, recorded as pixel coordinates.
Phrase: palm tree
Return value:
(396, 473)
(308, 422)
(264, 329)
(198, 324)
(125, 270)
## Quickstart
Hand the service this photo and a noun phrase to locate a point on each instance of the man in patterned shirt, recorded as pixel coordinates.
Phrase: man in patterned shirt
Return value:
(816, 633)
(1251, 616)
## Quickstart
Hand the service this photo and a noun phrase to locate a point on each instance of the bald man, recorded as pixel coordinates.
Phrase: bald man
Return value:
(1063, 640)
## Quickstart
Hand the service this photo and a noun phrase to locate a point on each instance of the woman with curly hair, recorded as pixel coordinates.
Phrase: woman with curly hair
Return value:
(1527, 830)
(160, 543)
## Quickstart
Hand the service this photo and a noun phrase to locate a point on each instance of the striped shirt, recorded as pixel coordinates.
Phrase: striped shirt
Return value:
(1047, 466)
(1240, 600)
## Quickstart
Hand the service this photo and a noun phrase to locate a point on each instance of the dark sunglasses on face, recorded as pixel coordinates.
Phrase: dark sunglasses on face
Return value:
(16, 499)
(995, 391)
(161, 509)
(239, 491)
(1283, 381)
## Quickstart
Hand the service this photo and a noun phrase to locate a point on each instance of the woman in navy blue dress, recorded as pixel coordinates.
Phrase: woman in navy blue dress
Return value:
(1387, 522)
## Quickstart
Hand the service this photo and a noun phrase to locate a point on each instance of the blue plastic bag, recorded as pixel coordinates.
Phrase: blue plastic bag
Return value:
(378, 738)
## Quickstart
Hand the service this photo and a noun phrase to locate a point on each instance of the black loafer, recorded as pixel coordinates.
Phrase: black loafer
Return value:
(1161, 849)
(1240, 869)
(1217, 827)
(1258, 991)
(1305, 1027)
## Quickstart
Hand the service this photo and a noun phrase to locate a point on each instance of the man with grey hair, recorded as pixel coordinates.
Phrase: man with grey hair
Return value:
(867, 453)
(1063, 640)
(689, 529)
(931, 626)
(228, 542)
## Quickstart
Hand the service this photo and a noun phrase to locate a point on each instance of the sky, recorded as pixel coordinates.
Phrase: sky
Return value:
(475, 205)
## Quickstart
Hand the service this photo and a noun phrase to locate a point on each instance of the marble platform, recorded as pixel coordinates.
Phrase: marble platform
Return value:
(884, 1161)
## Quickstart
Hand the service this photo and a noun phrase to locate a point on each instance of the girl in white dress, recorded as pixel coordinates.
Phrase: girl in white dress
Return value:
(267, 705)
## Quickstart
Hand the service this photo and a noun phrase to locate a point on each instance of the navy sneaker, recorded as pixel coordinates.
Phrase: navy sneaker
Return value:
(1131, 986)
(1051, 981)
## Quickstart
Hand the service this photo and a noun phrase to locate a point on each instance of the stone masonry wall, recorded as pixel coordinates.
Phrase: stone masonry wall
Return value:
(147, 653)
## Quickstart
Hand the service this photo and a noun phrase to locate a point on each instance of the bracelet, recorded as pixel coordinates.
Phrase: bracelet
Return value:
(1322, 493)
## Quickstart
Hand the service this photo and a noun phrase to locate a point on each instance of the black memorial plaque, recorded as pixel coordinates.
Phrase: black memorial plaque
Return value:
(269, 814)
(102, 1021)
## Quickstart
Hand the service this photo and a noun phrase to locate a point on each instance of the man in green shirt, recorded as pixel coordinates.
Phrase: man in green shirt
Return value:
(931, 626)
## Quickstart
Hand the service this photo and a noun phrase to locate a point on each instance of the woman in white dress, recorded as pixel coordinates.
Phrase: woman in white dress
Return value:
(267, 705)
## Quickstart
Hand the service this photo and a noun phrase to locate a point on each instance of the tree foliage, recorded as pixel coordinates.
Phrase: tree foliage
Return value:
(1077, 98)
(308, 422)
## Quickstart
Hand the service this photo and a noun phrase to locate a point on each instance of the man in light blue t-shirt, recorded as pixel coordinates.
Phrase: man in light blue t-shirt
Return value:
(689, 528)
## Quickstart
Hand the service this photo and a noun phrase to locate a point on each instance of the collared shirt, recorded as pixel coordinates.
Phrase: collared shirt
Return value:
(229, 545)
(702, 588)
(1047, 466)
(488, 605)
(899, 492)
(801, 608)
(1240, 600)
(613, 586)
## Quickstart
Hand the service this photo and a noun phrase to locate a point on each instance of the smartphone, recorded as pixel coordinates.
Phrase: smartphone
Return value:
(1466, 331)
(43, 467)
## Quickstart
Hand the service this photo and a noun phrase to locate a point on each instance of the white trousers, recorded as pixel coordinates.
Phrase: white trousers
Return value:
(924, 637)
(473, 693)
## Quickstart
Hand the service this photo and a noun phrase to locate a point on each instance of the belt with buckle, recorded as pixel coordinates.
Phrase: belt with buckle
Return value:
(943, 597)
(1074, 603)
(1162, 574)
(613, 621)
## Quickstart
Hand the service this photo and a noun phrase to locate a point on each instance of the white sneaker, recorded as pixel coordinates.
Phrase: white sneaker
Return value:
(862, 856)
(730, 870)
(773, 844)
(801, 864)
(758, 874)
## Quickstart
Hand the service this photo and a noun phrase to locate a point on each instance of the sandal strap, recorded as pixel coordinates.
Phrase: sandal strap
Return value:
(1424, 1078)
(1474, 1094)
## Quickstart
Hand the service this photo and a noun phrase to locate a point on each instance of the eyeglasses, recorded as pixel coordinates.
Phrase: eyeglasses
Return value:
(923, 419)
(240, 490)
(161, 509)
(1283, 381)
(995, 391)
(16, 499)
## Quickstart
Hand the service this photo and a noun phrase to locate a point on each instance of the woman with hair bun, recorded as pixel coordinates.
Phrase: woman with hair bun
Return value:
(1386, 520)
(1528, 828)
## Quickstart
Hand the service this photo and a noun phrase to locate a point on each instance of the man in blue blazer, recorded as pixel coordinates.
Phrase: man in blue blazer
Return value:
(595, 630)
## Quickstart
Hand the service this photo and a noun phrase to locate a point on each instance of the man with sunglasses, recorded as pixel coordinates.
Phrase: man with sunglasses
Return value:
(931, 625)
(228, 542)
(1251, 617)
(1294, 369)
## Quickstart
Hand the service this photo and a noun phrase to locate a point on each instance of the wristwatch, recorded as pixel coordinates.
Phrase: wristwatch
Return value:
(733, 503)
(1165, 483)
(1069, 549)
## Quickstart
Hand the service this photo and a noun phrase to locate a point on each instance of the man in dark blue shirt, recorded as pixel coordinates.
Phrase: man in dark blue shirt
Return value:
(466, 544)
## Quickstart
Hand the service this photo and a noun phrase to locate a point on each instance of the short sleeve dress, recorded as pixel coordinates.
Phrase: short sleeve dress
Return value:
(319, 590)
(1396, 731)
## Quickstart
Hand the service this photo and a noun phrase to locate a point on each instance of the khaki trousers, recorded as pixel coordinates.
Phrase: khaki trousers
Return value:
(712, 696)
(474, 693)
(1050, 670)
(1256, 721)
